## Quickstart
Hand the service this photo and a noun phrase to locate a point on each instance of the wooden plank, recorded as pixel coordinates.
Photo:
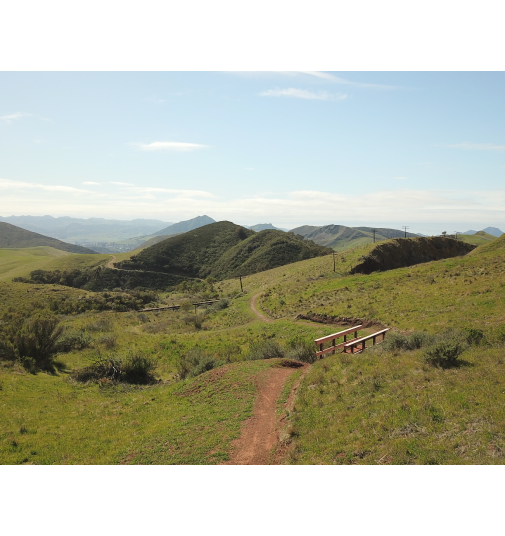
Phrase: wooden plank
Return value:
(330, 349)
(362, 339)
(336, 335)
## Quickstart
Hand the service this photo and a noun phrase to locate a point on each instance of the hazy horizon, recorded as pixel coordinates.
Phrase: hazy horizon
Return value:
(423, 149)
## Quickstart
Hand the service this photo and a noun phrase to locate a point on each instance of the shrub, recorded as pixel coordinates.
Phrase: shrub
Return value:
(397, 341)
(196, 362)
(142, 317)
(133, 367)
(74, 340)
(102, 324)
(109, 341)
(220, 305)
(34, 341)
(186, 306)
(446, 350)
(196, 320)
(301, 350)
(264, 350)
(474, 336)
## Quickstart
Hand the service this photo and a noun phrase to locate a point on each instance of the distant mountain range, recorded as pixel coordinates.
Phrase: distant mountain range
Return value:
(80, 230)
(490, 230)
(184, 226)
(341, 237)
(15, 237)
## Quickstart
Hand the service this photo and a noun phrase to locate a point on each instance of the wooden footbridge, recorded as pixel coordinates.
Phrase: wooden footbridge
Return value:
(355, 345)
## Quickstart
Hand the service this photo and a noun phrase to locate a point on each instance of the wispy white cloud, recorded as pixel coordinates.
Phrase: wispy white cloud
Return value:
(169, 146)
(304, 94)
(477, 146)
(320, 76)
(7, 184)
(121, 183)
(187, 193)
(92, 183)
(8, 119)
(295, 207)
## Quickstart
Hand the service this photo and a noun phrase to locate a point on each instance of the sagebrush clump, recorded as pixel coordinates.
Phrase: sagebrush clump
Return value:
(132, 367)
(33, 341)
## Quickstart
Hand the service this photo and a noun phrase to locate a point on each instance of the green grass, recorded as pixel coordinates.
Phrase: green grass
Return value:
(386, 408)
(52, 420)
(20, 261)
(478, 239)
(377, 407)
(12, 236)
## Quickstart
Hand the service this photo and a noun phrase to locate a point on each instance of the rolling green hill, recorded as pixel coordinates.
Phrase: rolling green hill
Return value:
(480, 238)
(379, 407)
(341, 237)
(15, 237)
(222, 250)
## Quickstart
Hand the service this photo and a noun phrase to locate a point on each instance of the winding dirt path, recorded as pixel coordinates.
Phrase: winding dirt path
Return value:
(110, 264)
(260, 434)
(256, 311)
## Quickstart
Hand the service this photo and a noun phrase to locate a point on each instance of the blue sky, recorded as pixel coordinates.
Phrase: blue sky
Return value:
(355, 148)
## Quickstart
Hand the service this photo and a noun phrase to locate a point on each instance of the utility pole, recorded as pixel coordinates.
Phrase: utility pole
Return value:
(457, 233)
(405, 227)
(333, 261)
(241, 288)
(374, 235)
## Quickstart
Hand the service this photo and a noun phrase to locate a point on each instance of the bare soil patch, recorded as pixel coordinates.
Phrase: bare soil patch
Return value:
(260, 434)
(341, 320)
(256, 311)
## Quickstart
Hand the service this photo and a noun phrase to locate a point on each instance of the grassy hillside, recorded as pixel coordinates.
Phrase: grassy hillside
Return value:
(15, 237)
(155, 240)
(377, 407)
(222, 250)
(480, 238)
(341, 237)
(15, 262)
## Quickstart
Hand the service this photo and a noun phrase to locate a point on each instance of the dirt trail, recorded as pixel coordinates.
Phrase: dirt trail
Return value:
(110, 264)
(255, 310)
(260, 433)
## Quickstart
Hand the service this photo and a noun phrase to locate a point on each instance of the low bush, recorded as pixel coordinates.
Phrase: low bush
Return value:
(133, 367)
(474, 336)
(74, 340)
(195, 320)
(218, 306)
(196, 362)
(398, 341)
(264, 350)
(33, 340)
(445, 353)
(300, 349)
(102, 324)
(109, 341)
